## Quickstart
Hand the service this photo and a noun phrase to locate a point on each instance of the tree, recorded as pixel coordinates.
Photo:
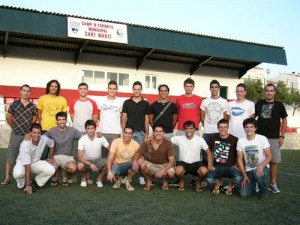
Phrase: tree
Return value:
(255, 89)
(283, 93)
(294, 100)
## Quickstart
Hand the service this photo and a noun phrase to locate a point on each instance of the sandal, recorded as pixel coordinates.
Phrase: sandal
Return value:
(65, 183)
(228, 192)
(5, 182)
(118, 183)
(199, 189)
(181, 186)
(129, 187)
(53, 183)
(165, 185)
(147, 188)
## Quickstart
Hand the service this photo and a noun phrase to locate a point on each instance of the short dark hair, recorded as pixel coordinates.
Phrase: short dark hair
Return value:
(90, 123)
(189, 123)
(159, 125)
(61, 114)
(163, 85)
(112, 82)
(25, 85)
(36, 126)
(189, 81)
(270, 85)
(129, 127)
(242, 85)
(137, 83)
(222, 121)
(214, 82)
(250, 121)
(49, 84)
(83, 84)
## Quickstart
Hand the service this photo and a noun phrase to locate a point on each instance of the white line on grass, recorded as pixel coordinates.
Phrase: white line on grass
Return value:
(292, 174)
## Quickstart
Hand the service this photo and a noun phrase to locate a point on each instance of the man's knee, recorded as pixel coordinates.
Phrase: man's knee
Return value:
(202, 171)
(179, 171)
(71, 167)
(81, 167)
(18, 172)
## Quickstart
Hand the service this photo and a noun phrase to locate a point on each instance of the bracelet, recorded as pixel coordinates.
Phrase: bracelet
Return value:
(90, 164)
(28, 185)
(109, 173)
(282, 136)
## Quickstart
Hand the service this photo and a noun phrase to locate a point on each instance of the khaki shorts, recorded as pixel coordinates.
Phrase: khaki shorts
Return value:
(99, 163)
(275, 149)
(62, 160)
(153, 168)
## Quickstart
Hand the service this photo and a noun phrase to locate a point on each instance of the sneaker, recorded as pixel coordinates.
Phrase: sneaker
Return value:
(72, 180)
(273, 188)
(19, 185)
(256, 187)
(118, 183)
(142, 181)
(99, 184)
(83, 184)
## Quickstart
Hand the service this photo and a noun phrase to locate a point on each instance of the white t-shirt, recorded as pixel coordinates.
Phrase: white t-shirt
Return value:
(189, 150)
(253, 150)
(238, 113)
(110, 115)
(92, 149)
(30, 153)
(214, 111)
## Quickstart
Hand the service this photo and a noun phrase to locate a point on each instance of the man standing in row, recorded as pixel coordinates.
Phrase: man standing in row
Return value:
(163, 111)
(213, 109)
(21, 114)
(110, 108)
(270, 113)
(188, 107)
(239, 110)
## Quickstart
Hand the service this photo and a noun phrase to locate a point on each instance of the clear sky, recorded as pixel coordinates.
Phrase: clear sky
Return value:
(275, 22)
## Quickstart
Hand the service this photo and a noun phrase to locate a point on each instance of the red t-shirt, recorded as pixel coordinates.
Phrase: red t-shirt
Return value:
(188, 109)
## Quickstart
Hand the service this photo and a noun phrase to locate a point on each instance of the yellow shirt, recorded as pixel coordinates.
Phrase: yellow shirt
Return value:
(50, 106)
(123, 152)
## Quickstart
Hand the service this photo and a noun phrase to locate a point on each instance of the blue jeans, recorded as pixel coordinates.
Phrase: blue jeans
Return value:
(121, 168)
(138, 136)
(206, 137)
(249, 188)
(224, 171)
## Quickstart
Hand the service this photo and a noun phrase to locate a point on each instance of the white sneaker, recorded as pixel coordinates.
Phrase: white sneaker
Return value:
(99, 184)
(83, 184)
(20, 185)
(273, 188)
(142, 181)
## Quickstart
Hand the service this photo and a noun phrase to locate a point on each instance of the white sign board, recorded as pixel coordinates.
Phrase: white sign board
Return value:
(97, 30)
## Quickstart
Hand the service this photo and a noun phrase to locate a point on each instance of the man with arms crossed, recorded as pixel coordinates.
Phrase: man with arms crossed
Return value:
(190, 161)
(28, 160)
(239, 110)
(253, 156)
(21, 114)
(223, 147)
(159, 159)
(119, 160)
(269, 114)
(89, 154)
(163, 111)
(63, 137)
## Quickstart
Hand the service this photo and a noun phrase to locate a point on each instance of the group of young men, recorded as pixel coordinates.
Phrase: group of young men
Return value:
(236, 146)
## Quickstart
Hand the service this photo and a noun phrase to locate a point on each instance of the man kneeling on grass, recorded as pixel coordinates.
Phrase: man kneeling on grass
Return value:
(119, 160)
(160, 158)
(31, 150)
(253, 156)
(90, 152)
(190, 160)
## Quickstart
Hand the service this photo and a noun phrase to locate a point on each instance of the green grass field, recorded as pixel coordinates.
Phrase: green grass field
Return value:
(91, 205)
